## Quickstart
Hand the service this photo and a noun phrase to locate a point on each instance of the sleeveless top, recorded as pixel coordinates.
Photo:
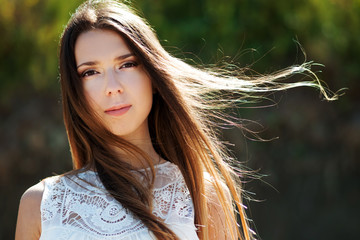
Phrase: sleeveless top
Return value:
(77, 207)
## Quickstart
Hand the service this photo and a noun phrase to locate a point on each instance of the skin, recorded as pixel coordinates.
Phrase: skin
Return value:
(217, 228)
(28, 226)
(112, 78)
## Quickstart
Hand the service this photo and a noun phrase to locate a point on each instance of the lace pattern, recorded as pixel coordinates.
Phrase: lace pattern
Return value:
(78, 207)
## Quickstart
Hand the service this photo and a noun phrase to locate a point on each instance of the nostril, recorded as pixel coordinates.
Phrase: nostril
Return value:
(115, 91)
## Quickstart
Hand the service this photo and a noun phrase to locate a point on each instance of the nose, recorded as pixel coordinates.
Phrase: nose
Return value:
(113, 85)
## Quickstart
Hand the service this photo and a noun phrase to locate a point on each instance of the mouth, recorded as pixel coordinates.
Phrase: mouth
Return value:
(118, 110)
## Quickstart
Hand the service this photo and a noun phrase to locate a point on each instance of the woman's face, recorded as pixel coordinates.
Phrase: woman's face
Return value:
(115, 84)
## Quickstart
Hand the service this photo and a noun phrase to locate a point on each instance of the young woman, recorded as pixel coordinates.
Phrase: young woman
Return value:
(142, 130)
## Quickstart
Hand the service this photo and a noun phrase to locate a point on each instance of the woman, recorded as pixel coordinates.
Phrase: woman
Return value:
(142, 132)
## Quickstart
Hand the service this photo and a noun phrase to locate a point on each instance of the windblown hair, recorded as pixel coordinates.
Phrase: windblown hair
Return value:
(182, 121)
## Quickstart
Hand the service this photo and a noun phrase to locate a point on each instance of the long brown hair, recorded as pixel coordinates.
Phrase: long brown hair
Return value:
(181, 122)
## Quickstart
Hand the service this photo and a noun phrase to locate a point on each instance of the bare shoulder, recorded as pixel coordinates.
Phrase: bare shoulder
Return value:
(210, 187)
(220, 211)
(33, 195)
(29, 216)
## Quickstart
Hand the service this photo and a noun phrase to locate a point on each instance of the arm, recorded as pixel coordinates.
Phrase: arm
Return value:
(28, 224)
(218, 228)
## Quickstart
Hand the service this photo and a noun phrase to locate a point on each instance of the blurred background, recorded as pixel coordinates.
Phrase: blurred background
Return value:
(310, 185)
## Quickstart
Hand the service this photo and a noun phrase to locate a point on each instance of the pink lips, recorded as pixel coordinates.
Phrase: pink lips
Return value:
(118, 110)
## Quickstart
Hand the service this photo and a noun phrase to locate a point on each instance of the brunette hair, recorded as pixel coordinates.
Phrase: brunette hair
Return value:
(182, 121)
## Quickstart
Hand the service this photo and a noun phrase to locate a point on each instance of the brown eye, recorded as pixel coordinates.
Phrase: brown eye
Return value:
(88, 73)
(129, 65)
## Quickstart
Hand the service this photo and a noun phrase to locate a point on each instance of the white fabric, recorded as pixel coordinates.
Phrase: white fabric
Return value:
(78, 207)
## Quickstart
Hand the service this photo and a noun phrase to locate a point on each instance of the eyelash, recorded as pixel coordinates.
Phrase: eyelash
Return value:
(91, 72)
(133, 64)
(85, 74)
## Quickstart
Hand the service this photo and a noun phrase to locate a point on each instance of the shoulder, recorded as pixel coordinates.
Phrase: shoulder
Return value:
(33, 195)
(210, 184)
(220, 209)
(29, 216)
(31, 200)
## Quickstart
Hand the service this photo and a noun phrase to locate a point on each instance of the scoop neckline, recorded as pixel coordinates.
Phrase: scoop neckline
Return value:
(156, 166)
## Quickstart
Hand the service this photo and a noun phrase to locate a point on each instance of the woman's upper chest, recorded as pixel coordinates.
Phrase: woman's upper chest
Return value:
(80, 205)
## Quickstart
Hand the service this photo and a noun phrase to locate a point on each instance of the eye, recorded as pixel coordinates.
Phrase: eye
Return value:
(88, 73)
(129, 64)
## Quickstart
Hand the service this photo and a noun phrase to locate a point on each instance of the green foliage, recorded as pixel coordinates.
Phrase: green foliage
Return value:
(314, 165)
(210, 29)
(28, 45)
(248, 30)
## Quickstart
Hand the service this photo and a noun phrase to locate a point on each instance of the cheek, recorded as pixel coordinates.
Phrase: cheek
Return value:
(144, 96)
(92, 94)
(147, 91)
(141, 86)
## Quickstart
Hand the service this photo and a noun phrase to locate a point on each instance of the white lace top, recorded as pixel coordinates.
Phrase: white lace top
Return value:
(73, 209)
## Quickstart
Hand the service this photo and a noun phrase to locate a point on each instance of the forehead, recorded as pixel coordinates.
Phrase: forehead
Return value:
(98, 45)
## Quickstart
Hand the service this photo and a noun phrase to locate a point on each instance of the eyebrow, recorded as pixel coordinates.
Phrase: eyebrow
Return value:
(92, 63)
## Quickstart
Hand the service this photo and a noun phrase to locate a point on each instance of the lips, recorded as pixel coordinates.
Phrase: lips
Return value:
(118, 110)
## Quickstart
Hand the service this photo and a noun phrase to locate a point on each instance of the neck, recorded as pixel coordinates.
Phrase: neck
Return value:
(137, 161)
